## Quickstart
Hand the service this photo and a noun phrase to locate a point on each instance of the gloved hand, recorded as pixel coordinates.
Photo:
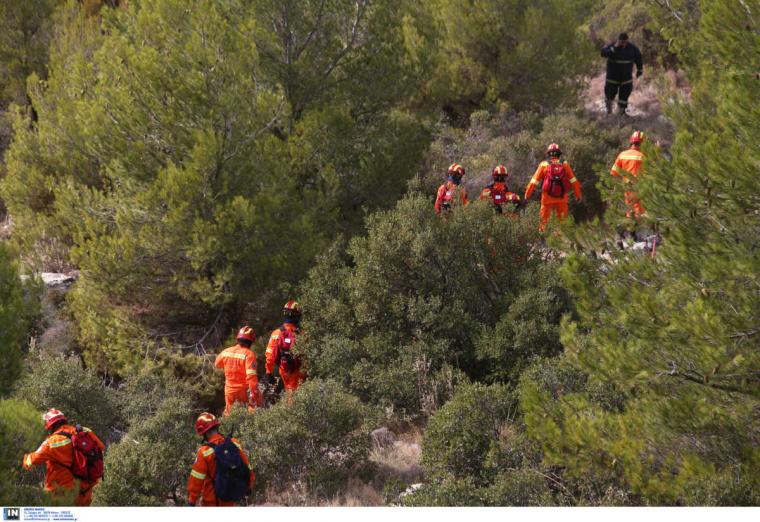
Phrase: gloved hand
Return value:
(639, 73)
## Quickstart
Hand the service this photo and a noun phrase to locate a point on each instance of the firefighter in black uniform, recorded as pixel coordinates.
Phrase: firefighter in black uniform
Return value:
(621, 55)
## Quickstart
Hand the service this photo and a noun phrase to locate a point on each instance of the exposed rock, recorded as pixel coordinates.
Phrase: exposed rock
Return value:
(411, 489)
(383, 438)
(55, 280)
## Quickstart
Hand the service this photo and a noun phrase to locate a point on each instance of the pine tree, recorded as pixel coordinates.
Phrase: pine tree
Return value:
(679, 332)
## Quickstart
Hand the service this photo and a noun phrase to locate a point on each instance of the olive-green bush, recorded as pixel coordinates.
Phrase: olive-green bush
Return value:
(21, 431)
(423, 303)
(318, 439)
(151, 464)
(462, 437)
(81, 394)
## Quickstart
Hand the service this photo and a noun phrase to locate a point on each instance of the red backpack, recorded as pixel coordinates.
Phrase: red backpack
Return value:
(556, 183)
(288, 360)
(87, 461)
(498, 194)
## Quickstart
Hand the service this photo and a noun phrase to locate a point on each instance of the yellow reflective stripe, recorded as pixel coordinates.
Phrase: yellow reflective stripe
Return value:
(236, 444)
(28, 460)
(250, 372)
(534, 181)
(573, 180)
(200, 476)
(60, 443)
(621, 61)
(208, 452)
(234, 355)
(631, 157)
(86, 429)
(615, 168)
(624, 83)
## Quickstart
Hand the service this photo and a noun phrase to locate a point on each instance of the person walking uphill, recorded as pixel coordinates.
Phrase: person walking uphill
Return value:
(627, 166)
(556, 178)
(222, 473)
(621, 56)
(71, 454)
(241, 384)
(280, 350)
(499, 193)
(451, 192)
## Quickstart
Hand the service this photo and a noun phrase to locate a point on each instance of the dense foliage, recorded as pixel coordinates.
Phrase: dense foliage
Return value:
(422, 303)
(18, 308)
(318, 439)
(194, 165)
(678, 333)
(151, 463)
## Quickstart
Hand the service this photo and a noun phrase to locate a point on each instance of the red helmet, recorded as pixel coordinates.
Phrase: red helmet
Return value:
(552, 149)
(637, 137)
(455, 169)
(205, 422)
(52, 416)
(246, 333)
(291, 309)
(499, 170)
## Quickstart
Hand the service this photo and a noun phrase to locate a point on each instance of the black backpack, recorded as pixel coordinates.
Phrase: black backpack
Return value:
(232, 475)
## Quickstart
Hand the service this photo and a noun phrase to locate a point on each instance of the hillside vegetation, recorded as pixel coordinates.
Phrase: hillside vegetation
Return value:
(193, 166)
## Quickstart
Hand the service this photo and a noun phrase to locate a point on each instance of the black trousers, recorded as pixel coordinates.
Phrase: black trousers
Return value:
(621, 90)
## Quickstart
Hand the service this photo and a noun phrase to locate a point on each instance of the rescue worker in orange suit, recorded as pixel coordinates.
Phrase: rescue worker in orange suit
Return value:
(498, 192)
(556, 178)
(280, 350)
(627, 167)
(451, 192)
(57, 453)
(241, 383)
(200, 485)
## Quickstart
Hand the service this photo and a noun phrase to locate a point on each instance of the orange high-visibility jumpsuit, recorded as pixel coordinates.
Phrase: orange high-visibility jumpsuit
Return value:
(630, 162)
(447, 195)
(507, 197)
(240, 379)
(201, 481)
(281, 340)
(549, 203)
(57, 452)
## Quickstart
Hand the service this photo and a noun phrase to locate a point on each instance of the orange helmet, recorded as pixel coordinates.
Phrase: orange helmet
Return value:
(553, 149)
(52, 416)
(637, 137)
(246, 333)
(455, 169)
(291, 309)
(205, 422)
(499, 170)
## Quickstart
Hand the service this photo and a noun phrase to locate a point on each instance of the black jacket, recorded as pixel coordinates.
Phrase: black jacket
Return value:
(620, 62)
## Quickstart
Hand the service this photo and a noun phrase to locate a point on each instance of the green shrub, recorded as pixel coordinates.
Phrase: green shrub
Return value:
(63, 383)
(449, 492)
(19, 305)
(398, 317)
(21, 431)
(463, 436)
(319, 439)
(152, 462)
(520, 487)
(142, 394)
